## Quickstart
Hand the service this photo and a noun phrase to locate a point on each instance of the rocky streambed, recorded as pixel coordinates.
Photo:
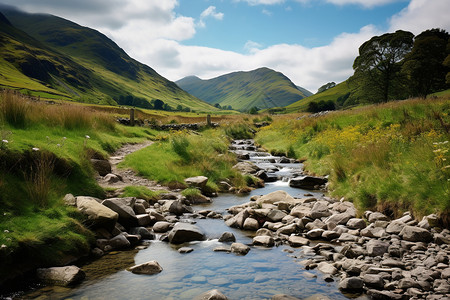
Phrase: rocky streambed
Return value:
(283, 241)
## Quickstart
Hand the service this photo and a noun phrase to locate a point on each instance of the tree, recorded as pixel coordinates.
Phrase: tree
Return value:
(158, 104)
(217, 105)
(326, 86)
(424, 65)
(378, 63)
(253, 110)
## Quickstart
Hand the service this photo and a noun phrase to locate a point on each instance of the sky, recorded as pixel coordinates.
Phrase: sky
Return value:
(310, 41)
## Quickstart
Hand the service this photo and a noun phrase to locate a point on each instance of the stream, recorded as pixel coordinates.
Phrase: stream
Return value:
(262, 273)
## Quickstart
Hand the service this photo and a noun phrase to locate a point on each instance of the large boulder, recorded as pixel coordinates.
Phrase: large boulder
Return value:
(307, 182)
(162, 226)
(98, 215)
(197, 181)
(148, 268)
(416, 234)
(184, 232)
(124, 207)
(277, 196)
(227, 237)
(351, 284)
(246, 167)
(240, 248)
(320, 210)
(174, 207)
(102, 166)
(263, 240)
(62, 276)
(250, 224)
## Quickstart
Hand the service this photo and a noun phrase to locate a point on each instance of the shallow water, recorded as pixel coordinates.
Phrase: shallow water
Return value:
(262, 273)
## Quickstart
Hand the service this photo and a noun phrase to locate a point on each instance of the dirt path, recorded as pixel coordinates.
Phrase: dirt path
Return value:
(125, 177)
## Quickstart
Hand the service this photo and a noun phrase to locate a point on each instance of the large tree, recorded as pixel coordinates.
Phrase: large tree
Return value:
(424, 65)
(377, 65)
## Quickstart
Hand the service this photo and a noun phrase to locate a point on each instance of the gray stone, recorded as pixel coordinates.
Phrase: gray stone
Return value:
(283, 297)
(97, 214)
(326, 268)
(119, 242)
(241, 217)
(211, 295)
(377, 216)
(62, 276)
(143, 232)
(240, 248)
(383, 295)
(263, 240)
(276, 215)
(144, 220)
(330, 234)
(277, 196)
(184, 232)
(300, 211)
(407, 283)
(355, 223)
(197, 181)
(174, 207)
(184, 250)
(317, 223)
(148, 268)
(227, 237)
(376, 248)
(288, 229)
(319, 210)
(416, 234)
(70, 200)
(307, 182)
(389, 262)
(123, 206)
(250, 224)
(346, 237)
(351, 284)
(102, 166)
(246, 167)
(162, 226)
(339, 219)
(297, 241)
(373, 281)
(314, 234)
(395, 227)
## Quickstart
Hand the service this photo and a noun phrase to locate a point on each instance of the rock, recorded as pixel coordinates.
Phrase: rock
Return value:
(317, 297)
(184, 232)
(307, 182)
(383, 295)
(276, 215)
(330, 235)
(377, 216)
(416, 234)
(143, 232)
(148, 268)
(161, 226)
(211, 295)
(288, 229)
(351, 284)
(174, 207)
(264, 231)
(376, 248)
(297, 241)
(389, 262)
(62, 276)
(119, 242)
(300, 211)
(314, 234)
(70, 200)
(407, 283)
(144, 220)
(240, 248)
(263, 240)
(326, 268)
(123, 206)
(197, 181)
(111, 178)
(319, 210)
(440, 239)
(184, 250)
(355, 223)
(339, 219)
(97, 214)
(373, 281)
(227, 237)
(346, 237)
(283, 297)
(317, 223)
(250, 224)
(395, 227)
(246, 167)
(139, 208)
(277, 196)
(102, 166)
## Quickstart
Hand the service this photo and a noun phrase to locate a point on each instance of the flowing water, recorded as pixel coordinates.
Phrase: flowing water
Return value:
(262, 273)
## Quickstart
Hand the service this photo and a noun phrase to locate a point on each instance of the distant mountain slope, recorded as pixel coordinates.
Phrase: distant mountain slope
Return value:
(51, 55)
(261, 88)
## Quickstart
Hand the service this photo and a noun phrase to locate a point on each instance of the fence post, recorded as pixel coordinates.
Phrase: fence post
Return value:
(132, 117)
(208, 120)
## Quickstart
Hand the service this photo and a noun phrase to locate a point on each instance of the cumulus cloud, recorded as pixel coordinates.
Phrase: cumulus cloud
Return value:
(364, 3)
(420, 15)
(210, 12)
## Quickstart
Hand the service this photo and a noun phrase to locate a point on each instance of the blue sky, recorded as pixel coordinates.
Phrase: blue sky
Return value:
(310, 41)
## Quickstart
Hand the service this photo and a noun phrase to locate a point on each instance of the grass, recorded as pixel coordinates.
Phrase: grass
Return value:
(392, 157)
(142, 192)
(179, 155)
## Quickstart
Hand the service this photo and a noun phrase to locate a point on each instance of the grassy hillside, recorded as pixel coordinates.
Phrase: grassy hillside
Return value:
(262, 88)
(391, 157)
(48, 55)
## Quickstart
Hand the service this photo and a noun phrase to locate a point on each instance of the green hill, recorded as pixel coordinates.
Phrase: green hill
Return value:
(262, 88)
(56, 58)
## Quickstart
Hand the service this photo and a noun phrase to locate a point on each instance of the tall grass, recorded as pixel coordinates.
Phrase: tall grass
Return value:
(14, 109)
(391, 157)
(38, 178)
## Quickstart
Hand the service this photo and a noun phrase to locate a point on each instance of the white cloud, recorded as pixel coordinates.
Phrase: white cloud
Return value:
(364, 3)
(267, 12)
(209, 12)
(252, 46)
(261, 2)
(421, 15)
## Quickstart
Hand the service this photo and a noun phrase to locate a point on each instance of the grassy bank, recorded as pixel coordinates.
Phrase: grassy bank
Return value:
(392, 157)
(183, 154)
(44, 154)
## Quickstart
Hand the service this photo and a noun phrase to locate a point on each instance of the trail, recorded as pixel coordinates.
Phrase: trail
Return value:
(125, 177)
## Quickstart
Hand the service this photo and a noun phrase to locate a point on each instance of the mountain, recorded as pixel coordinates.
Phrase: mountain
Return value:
(56, 58)
(305, 91)
(261, 88)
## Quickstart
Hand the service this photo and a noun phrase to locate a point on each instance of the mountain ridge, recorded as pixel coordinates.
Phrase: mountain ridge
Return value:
(242, 90)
